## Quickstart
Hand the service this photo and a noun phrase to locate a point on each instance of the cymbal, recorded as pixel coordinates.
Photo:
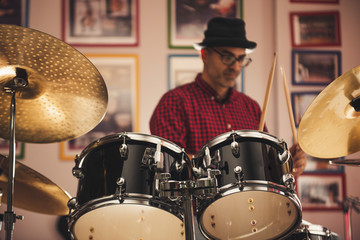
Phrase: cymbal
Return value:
(66, 96)
(354, 162)
(330, 127)
(33, 191)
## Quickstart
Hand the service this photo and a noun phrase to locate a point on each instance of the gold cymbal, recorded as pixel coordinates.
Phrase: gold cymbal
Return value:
(66, 96)
(330, 127)
(33, 191)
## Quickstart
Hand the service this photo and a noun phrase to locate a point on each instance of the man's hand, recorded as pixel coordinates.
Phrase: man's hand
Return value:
(299, 159)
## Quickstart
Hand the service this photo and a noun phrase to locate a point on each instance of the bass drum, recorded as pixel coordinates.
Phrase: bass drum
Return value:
(308, 231)
(117, 195)
(255, 197)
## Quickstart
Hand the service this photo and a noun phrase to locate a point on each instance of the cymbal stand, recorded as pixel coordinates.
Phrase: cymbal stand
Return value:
(349, 204)
(19, 81)
(187, 203)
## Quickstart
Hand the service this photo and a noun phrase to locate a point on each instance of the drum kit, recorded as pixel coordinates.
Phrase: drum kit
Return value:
(138, 186)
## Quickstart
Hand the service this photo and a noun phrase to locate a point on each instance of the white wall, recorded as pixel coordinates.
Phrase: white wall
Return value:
(267, 24)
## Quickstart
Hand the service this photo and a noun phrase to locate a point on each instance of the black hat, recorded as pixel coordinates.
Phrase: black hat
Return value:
(227, 32)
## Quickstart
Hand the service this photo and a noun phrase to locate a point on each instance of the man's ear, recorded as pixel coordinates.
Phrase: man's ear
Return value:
(203, 53)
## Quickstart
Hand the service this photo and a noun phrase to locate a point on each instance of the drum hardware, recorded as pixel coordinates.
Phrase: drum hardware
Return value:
(239, 175)
(208, 186)
(76, 171)
(123, 149)
(235, 149)
(121, 187)
(207, 158)
(184, 191)
(153, 160)
(289, 180)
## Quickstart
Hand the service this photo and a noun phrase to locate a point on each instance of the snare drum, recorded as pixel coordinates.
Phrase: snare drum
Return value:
(255, 197)
(308, 231)
(117, 195)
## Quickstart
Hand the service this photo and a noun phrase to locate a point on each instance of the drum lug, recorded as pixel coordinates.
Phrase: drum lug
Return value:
(235, 148)
(76, 171)
(288, 180)
(73, 204)
(121, 186)
(123, 149)
(239, 175)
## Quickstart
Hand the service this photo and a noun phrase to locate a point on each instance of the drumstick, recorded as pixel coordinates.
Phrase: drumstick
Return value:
(290, 110)
(270, 80)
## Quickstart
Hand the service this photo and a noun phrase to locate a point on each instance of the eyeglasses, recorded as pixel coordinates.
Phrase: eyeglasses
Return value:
(229, 59)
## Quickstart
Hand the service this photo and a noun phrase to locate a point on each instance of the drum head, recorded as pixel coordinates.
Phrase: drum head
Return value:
(128, 221)
(250, 215)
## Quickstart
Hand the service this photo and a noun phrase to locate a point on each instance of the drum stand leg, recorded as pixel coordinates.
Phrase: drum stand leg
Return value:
(187, 203)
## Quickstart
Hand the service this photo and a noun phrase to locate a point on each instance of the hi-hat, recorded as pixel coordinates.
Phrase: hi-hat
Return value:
(33, 191)
(330, 127)
(66, 96)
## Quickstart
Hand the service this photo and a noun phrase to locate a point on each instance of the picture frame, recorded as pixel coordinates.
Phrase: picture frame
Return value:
(315, 67)
(188, 19)
(183, 68)
(313, 29)
(19, 149)
(120, 73)
(300, 101)
(15, 12)
(97, 23)
(316, 1)
(321, 191)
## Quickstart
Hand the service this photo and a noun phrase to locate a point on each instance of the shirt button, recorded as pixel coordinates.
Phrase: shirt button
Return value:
(229, 126)
(223, 105)
(212, 98)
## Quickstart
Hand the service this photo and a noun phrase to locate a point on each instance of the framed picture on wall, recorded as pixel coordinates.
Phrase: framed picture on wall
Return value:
(188, 19)
(14, 12)
(100, 22)
(120, 73)
(321, 191)
(183, 68)
(300, 102)
(315, 67)
(315, 1)
(19, 150)
(315, 29)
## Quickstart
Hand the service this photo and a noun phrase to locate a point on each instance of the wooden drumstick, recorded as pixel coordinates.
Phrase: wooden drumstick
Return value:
(270, 80)
(290, 110)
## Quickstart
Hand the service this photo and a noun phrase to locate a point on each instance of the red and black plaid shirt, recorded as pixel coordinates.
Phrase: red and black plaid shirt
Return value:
(192, 114)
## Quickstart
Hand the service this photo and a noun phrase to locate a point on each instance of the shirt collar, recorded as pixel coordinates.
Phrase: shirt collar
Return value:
(205, 87)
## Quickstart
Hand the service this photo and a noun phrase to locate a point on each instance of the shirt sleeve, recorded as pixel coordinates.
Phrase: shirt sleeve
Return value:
(168, 119)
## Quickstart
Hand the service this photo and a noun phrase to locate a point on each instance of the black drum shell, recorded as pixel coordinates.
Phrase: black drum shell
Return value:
(101, 165)
(259, 157)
